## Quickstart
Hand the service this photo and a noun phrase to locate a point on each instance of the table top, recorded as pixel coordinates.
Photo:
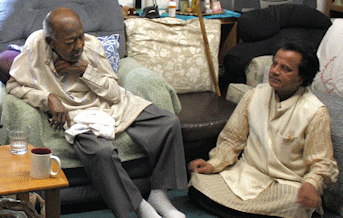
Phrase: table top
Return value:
(15, 174)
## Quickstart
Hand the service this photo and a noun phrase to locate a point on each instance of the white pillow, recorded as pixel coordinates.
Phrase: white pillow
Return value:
(330, 54)
(174, 49)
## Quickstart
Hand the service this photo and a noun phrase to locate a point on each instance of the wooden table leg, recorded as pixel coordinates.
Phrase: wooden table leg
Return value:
(52, 203)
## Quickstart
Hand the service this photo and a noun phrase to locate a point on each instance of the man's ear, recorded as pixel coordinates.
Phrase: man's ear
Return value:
(50, 41)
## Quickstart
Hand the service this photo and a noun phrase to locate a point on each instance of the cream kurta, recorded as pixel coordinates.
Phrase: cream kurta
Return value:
(33, 79)
(308, 159)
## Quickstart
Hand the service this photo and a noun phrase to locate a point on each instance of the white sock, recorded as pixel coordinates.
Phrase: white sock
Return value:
(158, 198)
(145, 210)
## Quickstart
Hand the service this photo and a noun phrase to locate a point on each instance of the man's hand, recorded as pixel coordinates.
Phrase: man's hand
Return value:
(59, 113)
(308, 196)
(200, 166)
(63, 67)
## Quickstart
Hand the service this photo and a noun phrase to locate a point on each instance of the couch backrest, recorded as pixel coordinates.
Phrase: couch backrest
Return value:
(258, 25)
(19, 18)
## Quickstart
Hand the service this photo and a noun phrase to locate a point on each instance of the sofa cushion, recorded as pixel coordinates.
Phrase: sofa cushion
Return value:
(6, 60)
(262, 24)
(111, 45)
(174, 49)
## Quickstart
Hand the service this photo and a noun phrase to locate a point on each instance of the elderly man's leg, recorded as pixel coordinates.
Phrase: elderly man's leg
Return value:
(159, 133)
(104, 167)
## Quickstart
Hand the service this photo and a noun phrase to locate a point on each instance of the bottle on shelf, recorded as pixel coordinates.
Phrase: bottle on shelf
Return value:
(172, 8)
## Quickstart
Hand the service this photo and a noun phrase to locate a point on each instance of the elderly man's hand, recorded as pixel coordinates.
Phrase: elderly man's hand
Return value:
(308, 196)
(63, 67)
(200, 166)
(60, 114)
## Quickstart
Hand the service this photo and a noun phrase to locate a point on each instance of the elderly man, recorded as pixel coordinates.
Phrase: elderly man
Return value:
(282, 132)
(64, 72)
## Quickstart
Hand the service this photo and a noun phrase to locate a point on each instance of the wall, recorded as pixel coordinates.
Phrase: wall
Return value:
(130, 3)
(163, 3)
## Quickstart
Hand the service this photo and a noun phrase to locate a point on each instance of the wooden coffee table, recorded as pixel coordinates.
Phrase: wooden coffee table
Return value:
(15, 179)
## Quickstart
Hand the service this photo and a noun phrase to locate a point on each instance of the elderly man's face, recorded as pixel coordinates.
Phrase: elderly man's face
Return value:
(70, 41)
(284, 73)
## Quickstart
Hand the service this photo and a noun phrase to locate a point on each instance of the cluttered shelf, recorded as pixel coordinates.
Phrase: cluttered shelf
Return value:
(333, 6)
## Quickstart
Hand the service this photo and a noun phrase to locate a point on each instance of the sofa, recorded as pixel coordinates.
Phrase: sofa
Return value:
(327, 86)
(202, 114)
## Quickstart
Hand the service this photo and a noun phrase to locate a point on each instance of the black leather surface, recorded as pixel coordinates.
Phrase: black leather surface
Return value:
(138, 168)
(203, 115)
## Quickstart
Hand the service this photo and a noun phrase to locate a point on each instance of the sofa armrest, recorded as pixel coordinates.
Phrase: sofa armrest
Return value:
(256, 73)
(257, 70)
(148, 85)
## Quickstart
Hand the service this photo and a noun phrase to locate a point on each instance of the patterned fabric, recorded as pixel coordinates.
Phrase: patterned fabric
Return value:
(278, 200)
(174, 49)
(111, 45)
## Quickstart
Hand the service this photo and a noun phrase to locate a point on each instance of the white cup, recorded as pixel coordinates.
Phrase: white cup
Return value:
(41, 163)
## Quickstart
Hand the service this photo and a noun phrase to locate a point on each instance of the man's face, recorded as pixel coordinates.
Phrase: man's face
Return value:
(70, 41)
(284, 73)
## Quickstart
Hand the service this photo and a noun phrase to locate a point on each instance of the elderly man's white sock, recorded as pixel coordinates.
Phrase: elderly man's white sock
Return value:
(158, 198)
(145, 210)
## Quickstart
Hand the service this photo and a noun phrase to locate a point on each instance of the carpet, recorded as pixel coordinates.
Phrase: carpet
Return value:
(180, 200)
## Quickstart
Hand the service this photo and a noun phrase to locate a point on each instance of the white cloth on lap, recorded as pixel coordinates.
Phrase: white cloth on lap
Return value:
(98, 122)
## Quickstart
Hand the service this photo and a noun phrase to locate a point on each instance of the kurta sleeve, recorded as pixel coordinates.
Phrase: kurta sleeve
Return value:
(232, 139)
(318, 152)
(102, 80)
(33, 96)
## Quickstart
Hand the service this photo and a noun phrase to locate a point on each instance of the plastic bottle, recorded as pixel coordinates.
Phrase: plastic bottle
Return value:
(172, 8)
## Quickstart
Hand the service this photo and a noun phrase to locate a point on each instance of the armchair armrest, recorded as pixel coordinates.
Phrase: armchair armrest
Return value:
(257, 70)
(256, 73)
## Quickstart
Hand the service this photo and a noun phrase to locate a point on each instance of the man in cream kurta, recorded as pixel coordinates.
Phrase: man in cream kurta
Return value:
(64, 72)
(284, 133)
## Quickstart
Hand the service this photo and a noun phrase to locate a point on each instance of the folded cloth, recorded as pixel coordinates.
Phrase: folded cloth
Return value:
(98, 122)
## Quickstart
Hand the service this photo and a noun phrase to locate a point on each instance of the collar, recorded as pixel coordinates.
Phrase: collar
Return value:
(280, 107)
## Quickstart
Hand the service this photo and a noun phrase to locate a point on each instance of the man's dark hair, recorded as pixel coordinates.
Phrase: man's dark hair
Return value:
(309, 65)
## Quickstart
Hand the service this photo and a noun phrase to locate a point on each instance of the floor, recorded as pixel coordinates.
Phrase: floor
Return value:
(179, 199)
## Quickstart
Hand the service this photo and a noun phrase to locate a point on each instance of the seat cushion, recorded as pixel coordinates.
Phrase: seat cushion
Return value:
(203, 115)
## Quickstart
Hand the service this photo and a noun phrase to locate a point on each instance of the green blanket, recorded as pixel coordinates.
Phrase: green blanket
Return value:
(133, 77)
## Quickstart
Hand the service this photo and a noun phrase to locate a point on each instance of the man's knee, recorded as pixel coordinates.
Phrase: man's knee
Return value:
(107, 152)
(174, 121)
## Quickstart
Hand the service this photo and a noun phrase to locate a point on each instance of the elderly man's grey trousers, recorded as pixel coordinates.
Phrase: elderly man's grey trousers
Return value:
(159, 133)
